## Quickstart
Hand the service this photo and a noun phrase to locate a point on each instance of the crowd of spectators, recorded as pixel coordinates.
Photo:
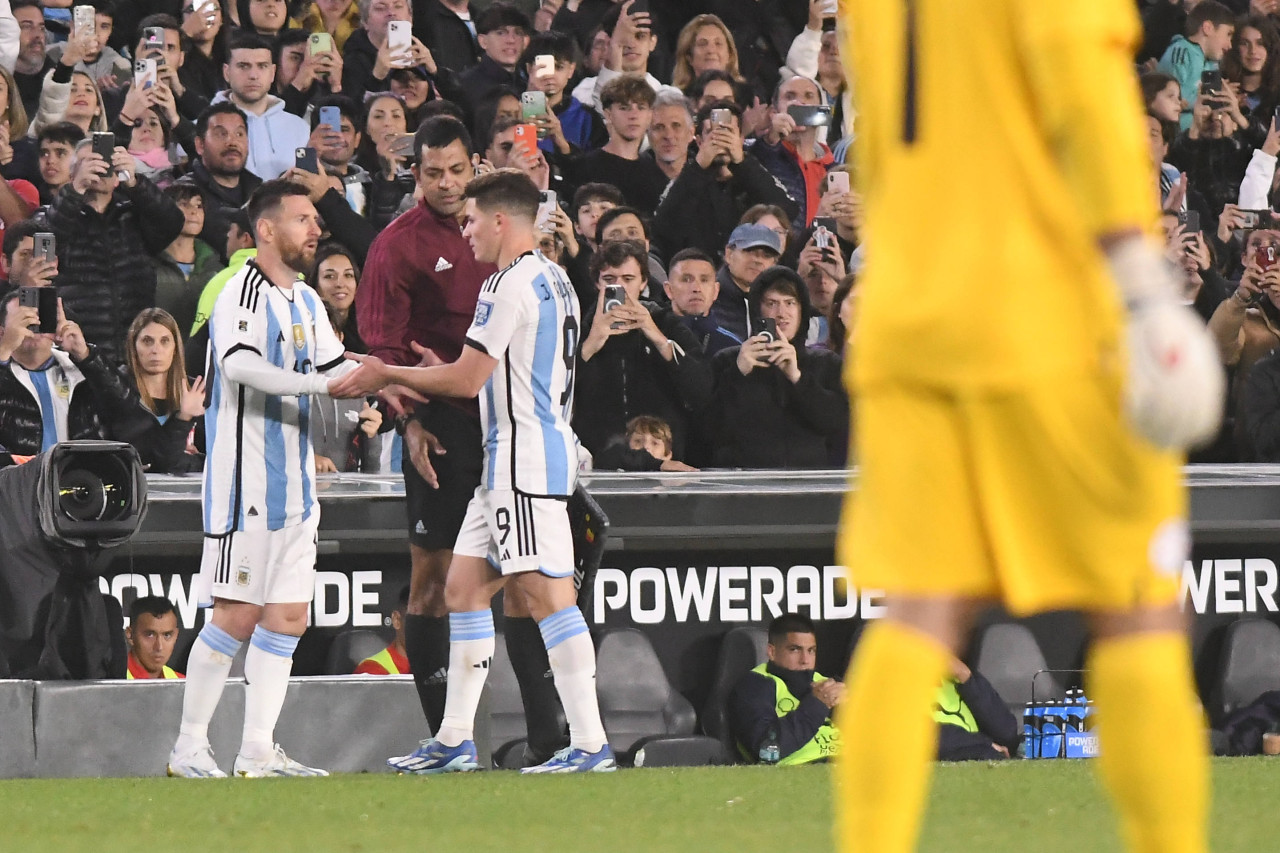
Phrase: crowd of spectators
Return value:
(695, 160)
(1210, 82)
(675, 175)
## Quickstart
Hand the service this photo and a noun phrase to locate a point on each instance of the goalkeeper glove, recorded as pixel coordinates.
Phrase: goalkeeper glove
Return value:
(1176, 385)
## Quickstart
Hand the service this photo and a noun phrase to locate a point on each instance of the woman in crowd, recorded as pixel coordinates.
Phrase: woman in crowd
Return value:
(167, 432)
(148, 124)
(265, 17)
(1252, 69)
(414, 90)
(383, 155)
(346, 434)
(385, 118)
(335, 276)
(843, 306)
(205, 43)
(18, 155)
(704, 44)
(78, 101)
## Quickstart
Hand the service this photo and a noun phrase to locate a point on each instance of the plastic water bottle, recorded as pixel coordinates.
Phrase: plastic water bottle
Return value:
(769, 751)
(1032, 717)
(1073, 724)
(1051, 736)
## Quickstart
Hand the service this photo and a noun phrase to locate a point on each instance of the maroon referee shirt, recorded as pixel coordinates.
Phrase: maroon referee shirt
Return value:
(420, 283)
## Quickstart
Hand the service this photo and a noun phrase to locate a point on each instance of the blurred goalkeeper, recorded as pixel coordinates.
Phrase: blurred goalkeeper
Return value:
(1027, 381)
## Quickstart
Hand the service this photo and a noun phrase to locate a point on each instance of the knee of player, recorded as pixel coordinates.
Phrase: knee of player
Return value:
(462, 598)
(237, 618)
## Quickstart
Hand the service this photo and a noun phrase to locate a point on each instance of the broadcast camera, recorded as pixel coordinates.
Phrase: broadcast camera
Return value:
(63, 511)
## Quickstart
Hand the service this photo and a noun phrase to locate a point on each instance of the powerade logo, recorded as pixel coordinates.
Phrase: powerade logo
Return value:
(341, 599)
(1230, 586)
(649, 595)
(1082, 745)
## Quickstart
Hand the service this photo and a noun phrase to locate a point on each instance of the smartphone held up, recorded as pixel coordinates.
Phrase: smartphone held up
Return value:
(45, 301)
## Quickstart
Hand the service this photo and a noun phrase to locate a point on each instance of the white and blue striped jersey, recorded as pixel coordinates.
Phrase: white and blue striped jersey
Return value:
(527, 318)
(260, 470)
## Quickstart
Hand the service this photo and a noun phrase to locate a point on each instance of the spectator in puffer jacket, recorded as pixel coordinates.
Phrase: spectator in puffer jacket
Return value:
(777, 403)
(107, 222)
(49, 395)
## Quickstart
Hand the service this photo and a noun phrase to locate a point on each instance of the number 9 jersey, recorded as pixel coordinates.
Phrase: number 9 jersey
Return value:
(527, 318)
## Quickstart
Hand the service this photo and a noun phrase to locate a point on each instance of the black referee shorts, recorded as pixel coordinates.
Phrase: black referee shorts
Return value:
(435, 515)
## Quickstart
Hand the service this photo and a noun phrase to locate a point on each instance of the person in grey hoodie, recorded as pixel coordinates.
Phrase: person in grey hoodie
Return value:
(274, 133)
(344, 434)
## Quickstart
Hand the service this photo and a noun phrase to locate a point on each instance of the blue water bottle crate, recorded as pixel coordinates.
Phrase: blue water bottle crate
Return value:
(1056, 727)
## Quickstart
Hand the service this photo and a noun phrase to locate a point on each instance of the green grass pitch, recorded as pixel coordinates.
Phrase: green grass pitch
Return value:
(1028, 807)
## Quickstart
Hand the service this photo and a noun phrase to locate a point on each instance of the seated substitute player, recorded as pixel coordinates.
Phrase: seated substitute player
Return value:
(519, 358)
(785, 704)
(270, 348)
(1046, 458)
(393, 660)
(151, 635)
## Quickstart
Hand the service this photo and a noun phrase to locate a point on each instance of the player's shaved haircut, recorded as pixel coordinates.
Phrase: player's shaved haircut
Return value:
(508, 190)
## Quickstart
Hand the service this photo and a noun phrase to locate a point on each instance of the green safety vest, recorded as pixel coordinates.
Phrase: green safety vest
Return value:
(949, 708)
(384, 658)
(824, 744)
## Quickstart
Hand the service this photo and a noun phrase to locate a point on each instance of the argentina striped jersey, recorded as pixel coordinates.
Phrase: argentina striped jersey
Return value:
(260, 471)
(527, 318)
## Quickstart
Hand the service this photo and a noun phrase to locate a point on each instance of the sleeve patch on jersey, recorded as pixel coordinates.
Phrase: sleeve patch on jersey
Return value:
(484, 310)
(243, 325)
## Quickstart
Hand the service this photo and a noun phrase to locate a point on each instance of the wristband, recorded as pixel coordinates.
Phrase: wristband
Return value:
(402, 422)
(1246, 301)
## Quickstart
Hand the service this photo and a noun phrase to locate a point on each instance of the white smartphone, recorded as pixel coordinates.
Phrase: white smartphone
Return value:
(837, 182)
(546, 207)
(84, 20)
(544, 65)
(145, 74)
(830, 8)
(399, 36)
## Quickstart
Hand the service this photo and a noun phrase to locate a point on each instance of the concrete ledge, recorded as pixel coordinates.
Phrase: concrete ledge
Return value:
(347, 724)
(17, 732)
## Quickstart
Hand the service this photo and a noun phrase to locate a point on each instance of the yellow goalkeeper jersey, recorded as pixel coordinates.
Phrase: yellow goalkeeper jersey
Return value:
(996, 140)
